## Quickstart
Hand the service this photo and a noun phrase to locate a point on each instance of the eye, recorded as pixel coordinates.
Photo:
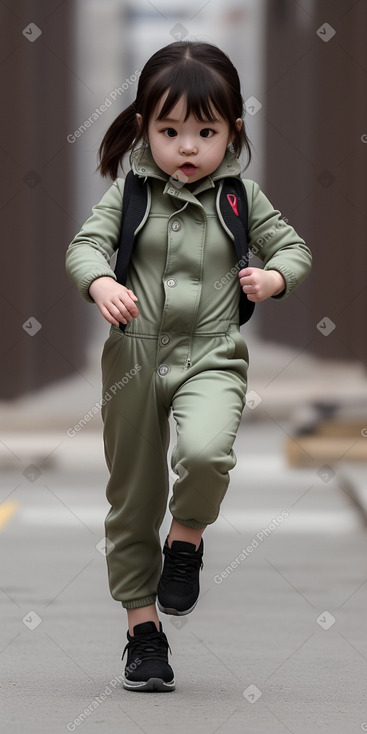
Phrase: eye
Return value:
(207, 132)
(170, 132)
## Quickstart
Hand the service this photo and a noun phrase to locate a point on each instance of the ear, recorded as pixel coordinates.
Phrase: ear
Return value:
(238, 125)
(139, 120)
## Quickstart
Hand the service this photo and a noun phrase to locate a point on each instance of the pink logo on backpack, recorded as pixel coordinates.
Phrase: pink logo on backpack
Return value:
(233, 202)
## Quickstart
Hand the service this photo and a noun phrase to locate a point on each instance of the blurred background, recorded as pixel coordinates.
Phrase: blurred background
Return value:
(304, 428)
(309, 140)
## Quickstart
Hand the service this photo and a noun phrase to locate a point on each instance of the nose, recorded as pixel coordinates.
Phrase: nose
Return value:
(188, 147)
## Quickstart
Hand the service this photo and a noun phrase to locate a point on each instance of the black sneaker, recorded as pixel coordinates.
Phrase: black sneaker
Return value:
(147, 667)
(178, 588)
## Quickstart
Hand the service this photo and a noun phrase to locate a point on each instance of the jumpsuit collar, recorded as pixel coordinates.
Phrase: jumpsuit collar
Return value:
(144, 165)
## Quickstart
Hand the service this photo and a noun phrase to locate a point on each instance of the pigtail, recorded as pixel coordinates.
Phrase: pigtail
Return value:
(118, 140)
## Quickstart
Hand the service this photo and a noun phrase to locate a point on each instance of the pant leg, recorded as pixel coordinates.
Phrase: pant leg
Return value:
(207, 409)
(136, 439)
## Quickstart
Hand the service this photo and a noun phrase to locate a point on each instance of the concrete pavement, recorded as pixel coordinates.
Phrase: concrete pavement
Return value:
(278, 637)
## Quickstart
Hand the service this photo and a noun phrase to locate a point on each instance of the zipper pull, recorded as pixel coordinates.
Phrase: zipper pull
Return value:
(188, 363)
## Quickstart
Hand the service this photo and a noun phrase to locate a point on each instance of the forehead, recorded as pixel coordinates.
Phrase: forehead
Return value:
(178, 111)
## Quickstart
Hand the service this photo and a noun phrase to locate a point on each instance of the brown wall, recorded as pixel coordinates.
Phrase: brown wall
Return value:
(316, 169)
(36, 198)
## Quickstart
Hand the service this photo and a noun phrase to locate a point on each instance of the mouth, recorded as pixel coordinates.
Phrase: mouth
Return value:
(188, 169)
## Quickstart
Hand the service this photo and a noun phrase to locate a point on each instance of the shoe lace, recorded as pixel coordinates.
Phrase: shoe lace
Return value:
(148, 646)
(180, 565)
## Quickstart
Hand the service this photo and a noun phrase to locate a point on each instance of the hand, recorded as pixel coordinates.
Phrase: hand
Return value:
(115, 302)
(260, 284)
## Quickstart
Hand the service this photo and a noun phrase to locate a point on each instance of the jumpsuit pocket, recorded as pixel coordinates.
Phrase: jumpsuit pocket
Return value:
(111, 350)
(238, 347)
(116, 336)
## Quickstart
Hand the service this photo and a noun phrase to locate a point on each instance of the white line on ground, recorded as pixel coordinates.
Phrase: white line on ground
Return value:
(298, 521)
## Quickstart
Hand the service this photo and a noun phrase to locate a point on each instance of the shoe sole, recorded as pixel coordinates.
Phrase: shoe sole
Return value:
(153, 684)
(175, 612)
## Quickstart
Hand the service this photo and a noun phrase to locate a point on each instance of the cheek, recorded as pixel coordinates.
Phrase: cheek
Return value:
(158, 141)
(220, 149)
(161, 153)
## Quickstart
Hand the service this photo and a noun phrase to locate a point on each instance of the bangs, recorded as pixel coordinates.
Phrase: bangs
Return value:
(202, 89)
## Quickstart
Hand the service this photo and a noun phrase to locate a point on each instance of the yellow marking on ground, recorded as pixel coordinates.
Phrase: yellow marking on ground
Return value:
(7, 509)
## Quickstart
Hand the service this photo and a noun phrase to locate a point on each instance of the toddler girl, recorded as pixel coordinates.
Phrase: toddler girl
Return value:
(174, 342)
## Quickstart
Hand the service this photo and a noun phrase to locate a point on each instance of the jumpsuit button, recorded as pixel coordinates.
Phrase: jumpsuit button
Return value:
(163, 369)
(171, 282)
(165, 339)
(176, 226)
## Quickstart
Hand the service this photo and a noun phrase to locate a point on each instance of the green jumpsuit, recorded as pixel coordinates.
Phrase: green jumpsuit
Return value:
(184, 353)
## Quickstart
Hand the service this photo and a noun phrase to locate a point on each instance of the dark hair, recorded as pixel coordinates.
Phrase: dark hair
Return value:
(201, 73)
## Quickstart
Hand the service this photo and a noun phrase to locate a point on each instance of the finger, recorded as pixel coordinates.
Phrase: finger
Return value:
(255, 297)
(121, 311)
(120, 318)
(108, 316)
(245, 272)
(118, 311)
(132, 294)
(251, 290)
(244, 280)
(129, 305)
(245, 284)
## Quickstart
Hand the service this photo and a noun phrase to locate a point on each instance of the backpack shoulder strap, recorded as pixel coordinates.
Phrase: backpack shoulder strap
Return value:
(133, 210)
(234, 210)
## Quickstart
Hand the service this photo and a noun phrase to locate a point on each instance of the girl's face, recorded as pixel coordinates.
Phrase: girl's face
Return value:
(187, 150)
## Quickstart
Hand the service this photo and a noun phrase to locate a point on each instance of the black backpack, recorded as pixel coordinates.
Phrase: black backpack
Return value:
(234, 210)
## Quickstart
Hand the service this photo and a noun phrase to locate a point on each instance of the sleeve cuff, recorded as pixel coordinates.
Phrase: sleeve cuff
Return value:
(88, 280)
(289, 277)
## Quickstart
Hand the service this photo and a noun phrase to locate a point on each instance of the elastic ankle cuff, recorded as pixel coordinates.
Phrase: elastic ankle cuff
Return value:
(194, 524)
(144, 601)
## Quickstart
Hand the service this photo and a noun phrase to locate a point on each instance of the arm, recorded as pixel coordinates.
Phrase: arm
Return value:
(88, 257)
(287, 259)
(89, 253)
